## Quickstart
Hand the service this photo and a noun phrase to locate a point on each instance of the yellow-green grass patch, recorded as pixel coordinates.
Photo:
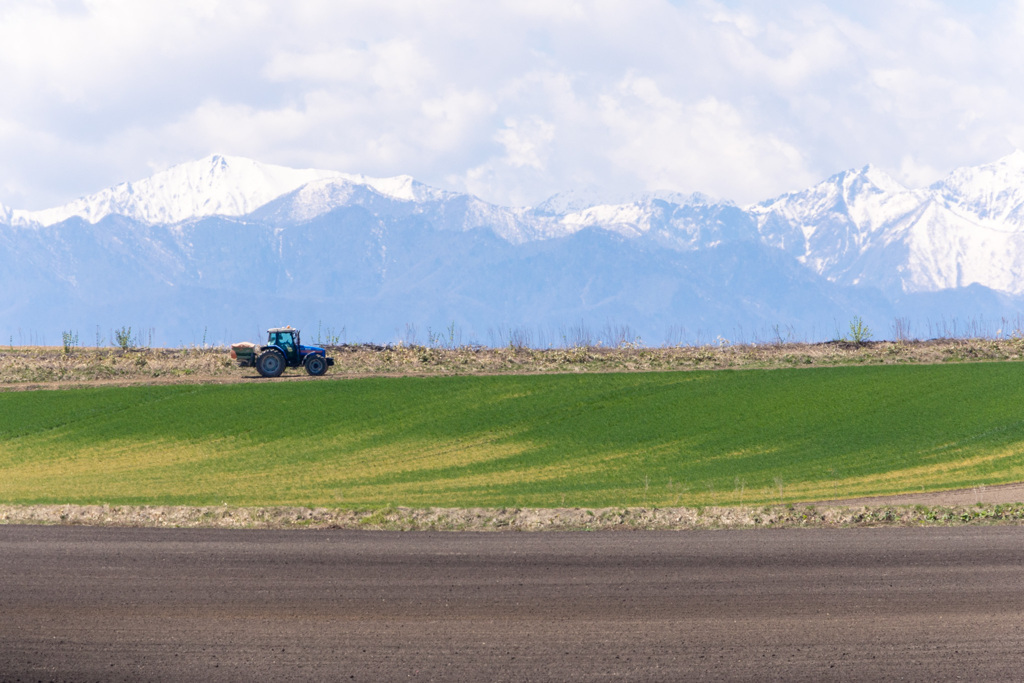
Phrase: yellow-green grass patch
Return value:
(653, 439)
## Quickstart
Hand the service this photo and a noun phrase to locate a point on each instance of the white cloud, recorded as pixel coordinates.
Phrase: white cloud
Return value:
(513, 100)
(914, 174)
(525, 142)
(392, 65)
(705, 146)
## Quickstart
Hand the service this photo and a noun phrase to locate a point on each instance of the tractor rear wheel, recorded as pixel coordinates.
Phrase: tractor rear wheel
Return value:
(316, 365)
(270, 363)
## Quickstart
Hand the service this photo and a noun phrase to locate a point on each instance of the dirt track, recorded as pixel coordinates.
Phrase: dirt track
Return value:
(86, 603)
(1001, 493)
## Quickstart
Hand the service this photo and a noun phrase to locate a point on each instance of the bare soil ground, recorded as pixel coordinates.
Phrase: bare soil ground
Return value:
(57, 368)
(795, 605)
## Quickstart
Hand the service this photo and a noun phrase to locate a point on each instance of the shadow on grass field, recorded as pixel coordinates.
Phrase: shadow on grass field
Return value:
(597, 440)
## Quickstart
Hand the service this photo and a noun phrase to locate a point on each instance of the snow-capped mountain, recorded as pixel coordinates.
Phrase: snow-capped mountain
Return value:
(690, 223)
(402, 197)
(991, 195)
(215, 186)
(862, 227)
(232, 244)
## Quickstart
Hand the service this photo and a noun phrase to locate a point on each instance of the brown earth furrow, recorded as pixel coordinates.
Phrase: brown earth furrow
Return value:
(84, 603)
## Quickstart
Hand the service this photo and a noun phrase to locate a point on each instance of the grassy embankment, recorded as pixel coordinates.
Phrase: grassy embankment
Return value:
(23, 366)
(595, 440)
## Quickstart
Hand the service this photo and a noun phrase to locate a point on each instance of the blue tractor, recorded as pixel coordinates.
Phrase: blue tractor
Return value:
(281, 351)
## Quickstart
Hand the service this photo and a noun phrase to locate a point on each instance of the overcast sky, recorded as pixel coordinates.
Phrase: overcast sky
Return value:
(511, 101)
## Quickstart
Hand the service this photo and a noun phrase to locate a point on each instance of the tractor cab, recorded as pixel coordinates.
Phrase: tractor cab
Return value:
(287, 340)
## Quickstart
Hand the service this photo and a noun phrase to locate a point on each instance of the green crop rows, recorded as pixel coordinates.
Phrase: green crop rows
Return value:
(653, 439)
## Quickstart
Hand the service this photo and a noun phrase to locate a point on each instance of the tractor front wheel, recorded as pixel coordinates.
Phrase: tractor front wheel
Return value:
(270, 363)
(316, 365)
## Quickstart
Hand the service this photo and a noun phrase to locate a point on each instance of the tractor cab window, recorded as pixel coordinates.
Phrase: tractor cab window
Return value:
(285, 340)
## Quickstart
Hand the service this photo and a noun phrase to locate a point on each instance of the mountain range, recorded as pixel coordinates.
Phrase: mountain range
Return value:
(218, 249)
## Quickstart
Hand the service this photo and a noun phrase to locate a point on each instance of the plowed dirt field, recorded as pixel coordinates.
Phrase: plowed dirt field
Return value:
(88, 603)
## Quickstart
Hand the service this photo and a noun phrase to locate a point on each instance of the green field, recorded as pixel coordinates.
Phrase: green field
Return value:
(651, 439)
